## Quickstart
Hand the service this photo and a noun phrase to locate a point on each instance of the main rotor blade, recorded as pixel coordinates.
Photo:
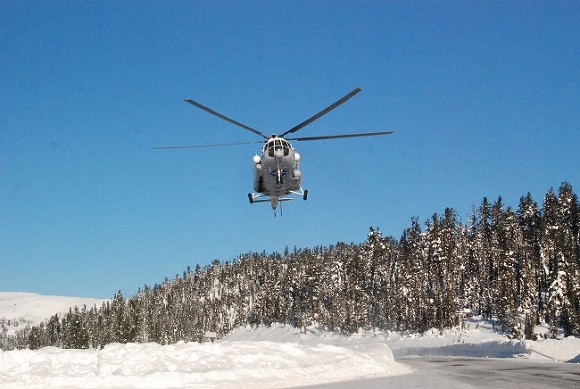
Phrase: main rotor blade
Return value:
(227, 119)
(201, 146)
(341, 136)
(321, 113)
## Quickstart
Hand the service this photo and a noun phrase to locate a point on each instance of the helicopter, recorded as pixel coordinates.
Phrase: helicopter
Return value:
(277, 174)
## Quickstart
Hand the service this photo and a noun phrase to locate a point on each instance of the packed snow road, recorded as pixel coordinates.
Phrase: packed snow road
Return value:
(445, 372)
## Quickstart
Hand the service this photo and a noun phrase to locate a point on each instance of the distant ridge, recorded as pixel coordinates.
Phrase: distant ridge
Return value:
(35, 308)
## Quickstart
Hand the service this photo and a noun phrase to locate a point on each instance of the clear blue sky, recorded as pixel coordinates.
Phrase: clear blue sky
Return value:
(484, 98)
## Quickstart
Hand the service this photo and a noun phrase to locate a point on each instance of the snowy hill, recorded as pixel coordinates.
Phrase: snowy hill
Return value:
(35, 307)
(278, 356)
(29, 308)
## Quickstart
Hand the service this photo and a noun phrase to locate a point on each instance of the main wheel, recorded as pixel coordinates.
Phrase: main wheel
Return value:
(251, 198)
(305, 197)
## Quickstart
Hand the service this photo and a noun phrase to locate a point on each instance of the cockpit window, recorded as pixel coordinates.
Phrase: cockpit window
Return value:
(277, 145)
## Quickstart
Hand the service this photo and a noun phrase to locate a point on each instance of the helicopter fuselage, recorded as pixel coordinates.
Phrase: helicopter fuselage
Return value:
(276, 172)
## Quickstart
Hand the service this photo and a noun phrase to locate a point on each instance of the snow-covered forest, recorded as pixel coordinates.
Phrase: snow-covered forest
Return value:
(519, 266)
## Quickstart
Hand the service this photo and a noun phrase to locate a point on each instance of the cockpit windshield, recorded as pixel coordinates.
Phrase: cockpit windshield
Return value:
(277, 145)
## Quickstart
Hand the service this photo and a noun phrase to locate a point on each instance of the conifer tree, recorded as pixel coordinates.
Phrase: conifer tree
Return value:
(567, 279)
(484, 254)
(532, 275)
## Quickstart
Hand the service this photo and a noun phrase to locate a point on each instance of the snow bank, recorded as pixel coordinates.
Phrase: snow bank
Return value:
(479, 339)
(560, 350)
(266, 357)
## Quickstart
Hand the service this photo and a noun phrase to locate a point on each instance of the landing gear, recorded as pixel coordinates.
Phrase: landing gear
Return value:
(251, 198)
(305, 196)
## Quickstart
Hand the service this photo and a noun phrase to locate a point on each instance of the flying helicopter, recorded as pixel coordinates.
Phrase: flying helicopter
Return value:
(277, 174)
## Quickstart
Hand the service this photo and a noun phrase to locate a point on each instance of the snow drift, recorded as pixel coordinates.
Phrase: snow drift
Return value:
(279, 356)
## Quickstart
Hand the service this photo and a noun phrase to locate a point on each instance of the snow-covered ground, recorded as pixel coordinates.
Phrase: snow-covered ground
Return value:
(279, 356)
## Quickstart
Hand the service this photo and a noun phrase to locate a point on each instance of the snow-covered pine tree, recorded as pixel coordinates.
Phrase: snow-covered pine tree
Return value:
(510, 241)
(568, 265)
(472, 268)
(482, 246)
(533, 279)
(550, 261)
(413, 281)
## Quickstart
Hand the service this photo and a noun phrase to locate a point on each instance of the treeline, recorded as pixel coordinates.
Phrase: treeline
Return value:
(520, 267)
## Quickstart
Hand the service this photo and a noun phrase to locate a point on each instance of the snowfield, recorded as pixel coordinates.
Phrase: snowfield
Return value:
(249, 357)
